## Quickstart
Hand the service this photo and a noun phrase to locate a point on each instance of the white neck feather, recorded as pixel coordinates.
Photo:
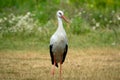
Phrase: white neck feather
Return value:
(60, 24)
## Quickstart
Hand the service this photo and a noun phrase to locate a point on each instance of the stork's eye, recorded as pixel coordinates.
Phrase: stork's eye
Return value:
(60, 13)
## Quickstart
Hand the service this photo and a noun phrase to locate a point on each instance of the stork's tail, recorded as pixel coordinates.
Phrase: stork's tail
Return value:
(56, 65)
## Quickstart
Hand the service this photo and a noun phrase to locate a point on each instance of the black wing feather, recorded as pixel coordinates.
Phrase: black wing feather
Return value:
(65, 53)
(52, 56)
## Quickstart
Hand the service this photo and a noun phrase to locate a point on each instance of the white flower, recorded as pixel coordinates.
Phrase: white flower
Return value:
(10, 21)
(118, 17)
(13, 19)
(113, 11)
(113, 43)
(1, 20)
(40, 29)
(93, 27)
(5, 18)
(28, 13)
(79, 13)
(84, 11)
(110, 21)
(97, 24)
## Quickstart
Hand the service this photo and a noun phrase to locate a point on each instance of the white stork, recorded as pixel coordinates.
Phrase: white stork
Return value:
(58, 44)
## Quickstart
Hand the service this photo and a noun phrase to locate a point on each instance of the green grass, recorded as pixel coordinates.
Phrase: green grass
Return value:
(30, 42)
(26, 25)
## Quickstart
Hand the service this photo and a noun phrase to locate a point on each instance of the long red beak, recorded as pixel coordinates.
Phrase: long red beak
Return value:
(65, 19)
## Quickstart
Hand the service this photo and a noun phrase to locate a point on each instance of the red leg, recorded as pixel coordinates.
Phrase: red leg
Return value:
(53, 67)
(60, 68)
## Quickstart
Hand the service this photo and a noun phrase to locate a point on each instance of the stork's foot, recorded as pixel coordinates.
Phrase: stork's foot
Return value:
(53, 70)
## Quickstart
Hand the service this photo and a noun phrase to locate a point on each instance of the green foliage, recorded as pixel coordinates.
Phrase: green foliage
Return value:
(79, 26)
(32, 22)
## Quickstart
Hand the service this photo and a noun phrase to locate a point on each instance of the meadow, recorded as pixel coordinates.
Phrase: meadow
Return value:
(87, 64)
(93, 36)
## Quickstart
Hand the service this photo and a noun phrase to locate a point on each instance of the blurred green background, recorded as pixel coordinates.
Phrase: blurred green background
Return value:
(29, 24)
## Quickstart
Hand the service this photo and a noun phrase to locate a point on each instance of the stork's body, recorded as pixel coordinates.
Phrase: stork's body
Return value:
(58, 44)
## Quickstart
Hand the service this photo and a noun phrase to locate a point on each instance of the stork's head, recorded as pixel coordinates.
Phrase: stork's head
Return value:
(60, 14)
